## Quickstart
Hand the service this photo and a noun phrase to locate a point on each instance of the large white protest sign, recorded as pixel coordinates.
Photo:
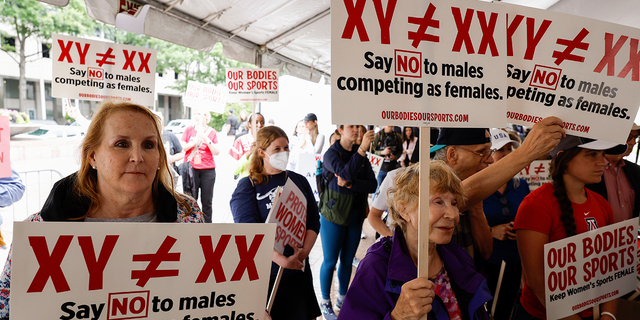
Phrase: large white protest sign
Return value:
(429, 63)
(210, 97)
(246, 85)
(536, 173)
(307, 166)
(590, 268)
(289, 213)
(96, 70)
(113, 271)
(584, 71)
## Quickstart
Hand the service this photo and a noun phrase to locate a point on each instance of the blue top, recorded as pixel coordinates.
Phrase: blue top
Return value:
(11, 189)
(506, 250)
(250, 203)
(387, 266)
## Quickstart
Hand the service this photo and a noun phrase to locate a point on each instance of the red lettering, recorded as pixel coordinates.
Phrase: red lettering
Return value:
(534, 39)
(424, 23)
(81, 53)
(354, 20)
(96, 266)
(487, 33)
(144, 62)
(511, 29)
(634, 62)
(49, 265)
(384, 21)
(129, 60)
(463, 30)
(212, 258)
(65, 50)
(247, 257)
(610, 52)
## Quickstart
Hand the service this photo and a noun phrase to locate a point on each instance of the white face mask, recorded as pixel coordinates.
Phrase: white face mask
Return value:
(278, 160)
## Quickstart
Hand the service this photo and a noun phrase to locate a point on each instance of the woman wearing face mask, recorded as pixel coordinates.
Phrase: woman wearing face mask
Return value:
(251, 202)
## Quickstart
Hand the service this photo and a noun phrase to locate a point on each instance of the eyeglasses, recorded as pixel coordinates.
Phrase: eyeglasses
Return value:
(505, 209)
(483, 155)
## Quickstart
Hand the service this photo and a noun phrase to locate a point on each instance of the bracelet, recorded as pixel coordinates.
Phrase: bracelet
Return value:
(360, 149)
(609, 314)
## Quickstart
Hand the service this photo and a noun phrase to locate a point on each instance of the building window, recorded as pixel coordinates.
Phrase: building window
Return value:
(175, 75)
(12, 89)
(8, 43)
(45, 50)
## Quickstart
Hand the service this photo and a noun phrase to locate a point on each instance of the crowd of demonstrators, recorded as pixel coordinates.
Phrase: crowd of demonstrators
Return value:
(122, 137)
(343, 207)
(409, 148)
(620, 181)
(387, 144)
(500, 209)
(199, 142)
(242, 145)
(386, 286)
(251, 202)
(558, 210)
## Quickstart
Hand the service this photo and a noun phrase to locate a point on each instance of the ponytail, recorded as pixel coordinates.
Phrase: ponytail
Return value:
(557, 170)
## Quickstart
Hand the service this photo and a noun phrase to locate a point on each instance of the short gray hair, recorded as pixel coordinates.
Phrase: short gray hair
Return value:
(441, 154)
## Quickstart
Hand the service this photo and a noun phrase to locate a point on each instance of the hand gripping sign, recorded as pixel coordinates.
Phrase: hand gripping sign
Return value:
(289, 213)
(590, 268)
(112, 271)
(95, 70)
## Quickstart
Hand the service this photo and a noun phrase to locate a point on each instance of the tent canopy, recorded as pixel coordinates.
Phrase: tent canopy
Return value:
(290, 34)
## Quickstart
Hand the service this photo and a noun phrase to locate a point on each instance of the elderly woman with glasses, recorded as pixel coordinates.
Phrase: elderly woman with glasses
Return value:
(500, 209)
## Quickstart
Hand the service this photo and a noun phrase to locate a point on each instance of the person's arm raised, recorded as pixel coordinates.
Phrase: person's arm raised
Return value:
(544, 136)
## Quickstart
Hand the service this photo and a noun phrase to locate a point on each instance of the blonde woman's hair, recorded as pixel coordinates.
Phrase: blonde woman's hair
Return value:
(405, 188)
(87, 178)
(264, 138)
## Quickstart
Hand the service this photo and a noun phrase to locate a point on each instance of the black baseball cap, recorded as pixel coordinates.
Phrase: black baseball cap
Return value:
(570, 141)
(461, 137)
(310, 117)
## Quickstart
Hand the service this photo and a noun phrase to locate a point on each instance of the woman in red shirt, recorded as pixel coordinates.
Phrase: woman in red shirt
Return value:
(558, 210)
(202, 139)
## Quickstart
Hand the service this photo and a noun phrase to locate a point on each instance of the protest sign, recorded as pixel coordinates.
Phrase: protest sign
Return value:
(246, 85)
(582, 70)
(536, 173)
(289, 213)
(96, 70)
(210, 97)
(590, 268)
(5, 158)
(429, 63)
(307, 166)
(376, 162)
(113, 271)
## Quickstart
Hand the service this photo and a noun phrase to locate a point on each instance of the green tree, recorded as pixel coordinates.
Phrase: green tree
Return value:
(30, 18)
